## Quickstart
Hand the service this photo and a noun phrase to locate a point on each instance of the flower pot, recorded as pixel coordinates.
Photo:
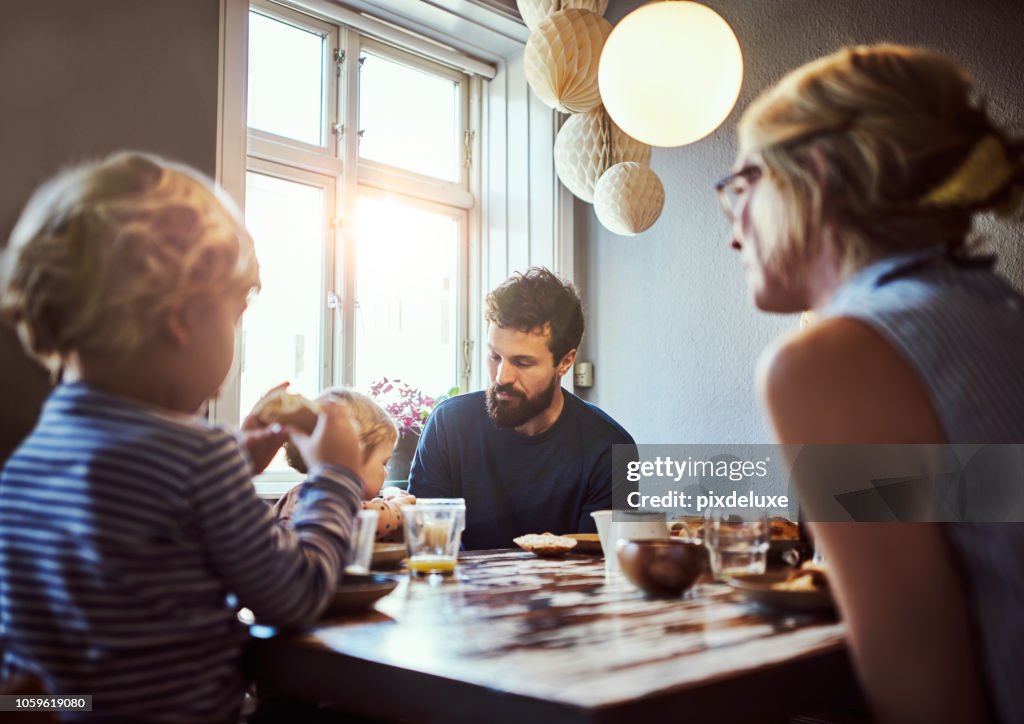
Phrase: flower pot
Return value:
(401, 458)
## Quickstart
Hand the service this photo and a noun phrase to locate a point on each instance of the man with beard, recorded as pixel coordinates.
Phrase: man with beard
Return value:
(527, 456)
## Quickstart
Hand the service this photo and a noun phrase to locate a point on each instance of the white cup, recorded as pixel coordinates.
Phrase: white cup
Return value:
(626, 524)
(633, 524)
(603, 519)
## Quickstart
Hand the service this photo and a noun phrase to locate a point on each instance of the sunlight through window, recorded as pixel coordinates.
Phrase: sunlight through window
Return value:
(281, 329)
(409, 118)
(285, 79)
(406, 323)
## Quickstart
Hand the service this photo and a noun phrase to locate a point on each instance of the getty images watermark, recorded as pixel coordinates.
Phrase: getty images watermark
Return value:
(690, 468)
(870, 483)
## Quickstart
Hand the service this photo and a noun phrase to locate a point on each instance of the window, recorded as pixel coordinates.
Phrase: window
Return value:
(409, 116)
(357, 194)
(286, 79)
(286, 324)
(409, 327)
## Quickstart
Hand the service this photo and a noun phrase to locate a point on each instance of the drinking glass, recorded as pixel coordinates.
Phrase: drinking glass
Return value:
(737, 541)
(360, 548)
(433, 534)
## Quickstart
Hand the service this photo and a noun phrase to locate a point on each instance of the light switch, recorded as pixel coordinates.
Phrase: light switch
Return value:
(583, 374)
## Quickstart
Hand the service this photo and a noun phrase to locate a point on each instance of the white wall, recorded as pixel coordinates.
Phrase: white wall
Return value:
(672, 334)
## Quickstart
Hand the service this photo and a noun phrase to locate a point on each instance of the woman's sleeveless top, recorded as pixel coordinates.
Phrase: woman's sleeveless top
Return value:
(961, 328)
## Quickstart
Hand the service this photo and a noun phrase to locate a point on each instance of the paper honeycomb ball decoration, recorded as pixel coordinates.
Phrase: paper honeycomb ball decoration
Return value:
(587, 145)
(533, 11)
(562, 57)
(628, 198)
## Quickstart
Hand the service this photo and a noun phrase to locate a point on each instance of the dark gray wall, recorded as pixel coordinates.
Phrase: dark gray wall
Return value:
(79, 79)
(672, 334)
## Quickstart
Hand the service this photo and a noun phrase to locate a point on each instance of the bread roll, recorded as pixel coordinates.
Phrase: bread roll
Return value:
(287, 408)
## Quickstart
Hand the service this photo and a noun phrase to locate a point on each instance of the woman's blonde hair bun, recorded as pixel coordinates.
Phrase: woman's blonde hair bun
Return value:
(888, 144)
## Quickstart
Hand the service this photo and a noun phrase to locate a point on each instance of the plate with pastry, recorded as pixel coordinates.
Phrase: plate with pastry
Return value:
(545, 545)
(803, 589)
(387, 555)
(586, 542)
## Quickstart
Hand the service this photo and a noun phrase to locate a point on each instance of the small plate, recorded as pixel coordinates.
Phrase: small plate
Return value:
(760, 589)
(586, 542)
(356, 593)
(387, 555)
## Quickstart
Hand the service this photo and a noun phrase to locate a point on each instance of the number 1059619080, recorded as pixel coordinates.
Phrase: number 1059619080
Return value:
(45, 702)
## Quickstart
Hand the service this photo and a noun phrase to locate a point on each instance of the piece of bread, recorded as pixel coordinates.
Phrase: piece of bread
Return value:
(783, 529)
(809, 577)
(693, 527)
(287, 408)
(690, 526)
(545, 544)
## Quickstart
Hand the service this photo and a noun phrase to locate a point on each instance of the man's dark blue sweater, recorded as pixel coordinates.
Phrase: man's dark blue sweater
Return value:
(516, 484)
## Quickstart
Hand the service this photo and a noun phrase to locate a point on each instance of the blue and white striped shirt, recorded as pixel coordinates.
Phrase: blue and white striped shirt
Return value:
(125, 536)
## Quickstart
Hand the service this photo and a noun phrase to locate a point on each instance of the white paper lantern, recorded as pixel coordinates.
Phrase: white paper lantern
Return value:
(533, 11)
(671, 72)
(628, 198)
(627, 148)
(561, 60)
(587, 145)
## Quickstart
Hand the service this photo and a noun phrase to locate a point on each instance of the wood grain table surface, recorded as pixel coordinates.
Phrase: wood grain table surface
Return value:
(512, 637)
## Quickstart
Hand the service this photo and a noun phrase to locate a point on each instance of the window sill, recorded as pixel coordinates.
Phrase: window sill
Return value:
(271, 486)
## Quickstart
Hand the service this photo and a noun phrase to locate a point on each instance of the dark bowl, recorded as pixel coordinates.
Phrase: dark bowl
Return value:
(662, 567)
(357, 593)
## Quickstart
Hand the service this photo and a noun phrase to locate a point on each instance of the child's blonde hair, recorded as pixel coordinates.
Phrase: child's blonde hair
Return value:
(376, 427)
(886, 143)
(375, 424)
(104, 249)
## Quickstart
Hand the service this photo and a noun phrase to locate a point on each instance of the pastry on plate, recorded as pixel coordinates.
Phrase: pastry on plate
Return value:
(782, 529)
(545, 544)
(808, 577)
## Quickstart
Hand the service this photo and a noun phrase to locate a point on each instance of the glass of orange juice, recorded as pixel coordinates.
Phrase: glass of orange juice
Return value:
(433, 533)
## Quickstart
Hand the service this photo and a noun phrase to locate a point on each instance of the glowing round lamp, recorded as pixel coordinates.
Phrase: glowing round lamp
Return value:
(670, 72)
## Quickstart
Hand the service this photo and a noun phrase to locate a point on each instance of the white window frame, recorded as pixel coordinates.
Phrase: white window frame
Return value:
(335, 166)
(511, 171)
(329, 32)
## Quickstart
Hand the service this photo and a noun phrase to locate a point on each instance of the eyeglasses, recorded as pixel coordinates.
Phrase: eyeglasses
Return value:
(732, 188)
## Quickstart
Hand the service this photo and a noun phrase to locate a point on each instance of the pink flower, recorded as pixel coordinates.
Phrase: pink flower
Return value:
(406, 405)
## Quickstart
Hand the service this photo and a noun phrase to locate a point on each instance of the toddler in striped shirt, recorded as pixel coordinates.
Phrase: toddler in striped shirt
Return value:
(130, 531)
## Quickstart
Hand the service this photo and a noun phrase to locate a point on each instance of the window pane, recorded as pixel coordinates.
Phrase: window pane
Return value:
(286, 79)
(406, 291)
(409, 118)
(281, 329)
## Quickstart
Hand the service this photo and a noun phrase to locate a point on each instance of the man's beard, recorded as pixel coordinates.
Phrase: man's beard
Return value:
(521, 409)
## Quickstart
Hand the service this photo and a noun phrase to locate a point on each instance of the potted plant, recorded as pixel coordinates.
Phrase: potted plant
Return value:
(409, 407)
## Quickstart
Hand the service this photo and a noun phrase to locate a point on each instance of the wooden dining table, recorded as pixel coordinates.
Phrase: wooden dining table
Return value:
(516, 638)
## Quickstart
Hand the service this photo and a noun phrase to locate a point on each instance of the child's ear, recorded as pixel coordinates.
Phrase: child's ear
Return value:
(175, 326)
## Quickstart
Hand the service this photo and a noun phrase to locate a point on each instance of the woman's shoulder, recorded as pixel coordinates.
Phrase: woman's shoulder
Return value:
(841, 381)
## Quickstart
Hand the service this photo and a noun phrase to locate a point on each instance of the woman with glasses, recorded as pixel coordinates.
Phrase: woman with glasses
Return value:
(858, 179)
